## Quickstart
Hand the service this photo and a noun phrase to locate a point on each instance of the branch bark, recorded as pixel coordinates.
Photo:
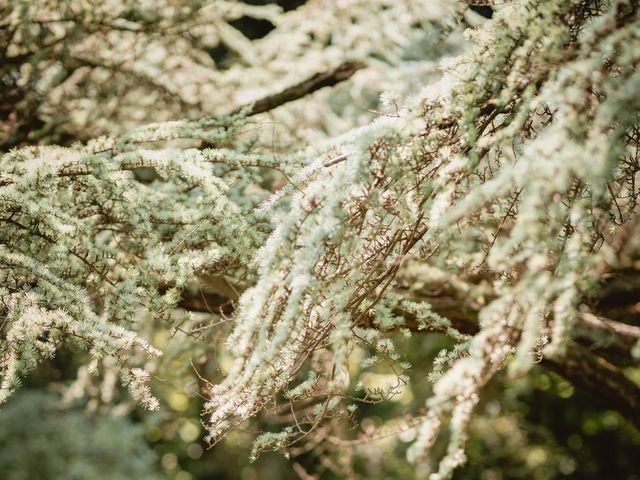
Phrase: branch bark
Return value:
(595, 375)
(316, 82)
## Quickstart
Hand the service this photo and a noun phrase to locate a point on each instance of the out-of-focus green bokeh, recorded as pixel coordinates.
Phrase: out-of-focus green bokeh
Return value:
(538, 427)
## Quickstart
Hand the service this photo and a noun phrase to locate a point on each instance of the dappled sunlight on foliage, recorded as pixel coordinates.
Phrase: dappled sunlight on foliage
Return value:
(386, 239)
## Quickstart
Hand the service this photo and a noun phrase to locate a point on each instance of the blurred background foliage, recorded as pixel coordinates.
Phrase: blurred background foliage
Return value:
(538, 428)
(42, 440)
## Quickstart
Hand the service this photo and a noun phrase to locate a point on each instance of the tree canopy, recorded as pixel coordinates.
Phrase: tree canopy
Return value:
(335, 227)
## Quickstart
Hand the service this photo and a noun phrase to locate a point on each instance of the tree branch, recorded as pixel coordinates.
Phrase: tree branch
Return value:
(587, 371)
(595, 375)
(316, 82)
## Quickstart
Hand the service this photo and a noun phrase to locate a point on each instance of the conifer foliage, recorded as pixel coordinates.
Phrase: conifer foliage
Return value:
(508, 186)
